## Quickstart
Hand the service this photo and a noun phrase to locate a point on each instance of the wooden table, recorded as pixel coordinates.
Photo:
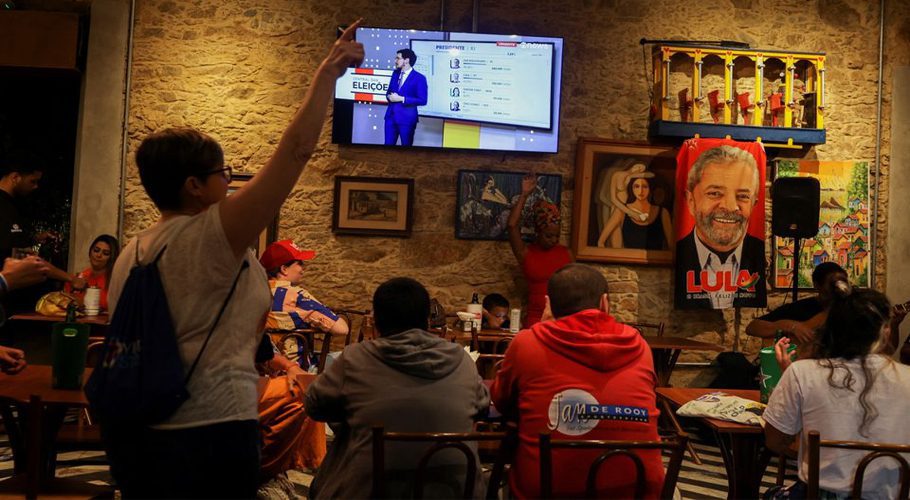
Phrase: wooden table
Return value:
(33, 434)
(100, 319)
(742, 446)
(666, 352)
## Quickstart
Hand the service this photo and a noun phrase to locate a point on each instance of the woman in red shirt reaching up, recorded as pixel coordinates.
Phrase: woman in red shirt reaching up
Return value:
(542, 257)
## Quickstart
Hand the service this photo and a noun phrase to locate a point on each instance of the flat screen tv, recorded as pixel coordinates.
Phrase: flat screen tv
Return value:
(464, 91)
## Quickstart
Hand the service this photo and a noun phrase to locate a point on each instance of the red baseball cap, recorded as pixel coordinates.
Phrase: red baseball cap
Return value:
(282, 252)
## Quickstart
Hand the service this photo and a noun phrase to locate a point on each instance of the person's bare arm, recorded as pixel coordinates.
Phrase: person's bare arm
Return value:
(248, 211)
(514, 224)
(340, 327)
(611, 225)
(12, 361)
(803, 331)
(19, 273)
(778, 441)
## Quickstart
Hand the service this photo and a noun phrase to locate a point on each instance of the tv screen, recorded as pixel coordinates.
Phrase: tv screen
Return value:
(463, 90)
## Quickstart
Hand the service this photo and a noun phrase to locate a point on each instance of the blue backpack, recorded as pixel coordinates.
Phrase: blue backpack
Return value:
(140, 379)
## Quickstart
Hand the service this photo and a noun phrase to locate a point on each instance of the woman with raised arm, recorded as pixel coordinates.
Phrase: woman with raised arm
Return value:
(210, 446)
(542, 257)
(850, 391)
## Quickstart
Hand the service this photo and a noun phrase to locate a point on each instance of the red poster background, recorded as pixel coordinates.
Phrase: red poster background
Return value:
(685, 222)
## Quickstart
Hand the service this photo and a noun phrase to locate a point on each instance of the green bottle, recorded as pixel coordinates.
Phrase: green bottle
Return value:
(69, 342)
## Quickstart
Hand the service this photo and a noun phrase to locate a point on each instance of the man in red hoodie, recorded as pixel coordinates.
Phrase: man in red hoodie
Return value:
(582, 375)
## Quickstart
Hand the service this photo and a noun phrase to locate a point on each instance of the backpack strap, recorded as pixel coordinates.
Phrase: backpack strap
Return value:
(217, 318)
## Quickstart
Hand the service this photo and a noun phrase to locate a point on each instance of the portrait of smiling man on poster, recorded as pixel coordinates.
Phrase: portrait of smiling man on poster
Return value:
(720, 231)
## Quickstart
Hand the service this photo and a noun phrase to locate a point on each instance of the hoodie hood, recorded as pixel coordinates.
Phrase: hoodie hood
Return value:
(592, 338)
(417, 353)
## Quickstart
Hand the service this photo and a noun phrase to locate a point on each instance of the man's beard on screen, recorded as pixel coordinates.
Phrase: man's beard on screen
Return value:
(728, 233)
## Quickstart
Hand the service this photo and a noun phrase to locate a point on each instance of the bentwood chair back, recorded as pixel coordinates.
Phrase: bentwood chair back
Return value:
(876, 451)
(676, 444)
(436, 442)
(647, 328)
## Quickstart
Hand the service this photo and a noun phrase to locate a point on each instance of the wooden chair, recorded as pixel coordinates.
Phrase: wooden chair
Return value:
(488, 364)
(658, 328)
(441, 441)
(876, 451)
(83, 435)
(676, 444)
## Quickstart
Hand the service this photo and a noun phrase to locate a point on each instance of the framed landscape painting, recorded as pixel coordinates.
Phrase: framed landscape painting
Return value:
(373, 206)
(843, 223)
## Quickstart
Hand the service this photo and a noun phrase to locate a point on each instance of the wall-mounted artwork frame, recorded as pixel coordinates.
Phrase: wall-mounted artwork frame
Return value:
(485, 198)
(843, 221)
(604, 167)
(373, 206)
(270, 234)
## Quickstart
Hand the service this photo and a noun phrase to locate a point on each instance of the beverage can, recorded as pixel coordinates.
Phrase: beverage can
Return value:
(770, 371)
(92, 301)
(514, 320)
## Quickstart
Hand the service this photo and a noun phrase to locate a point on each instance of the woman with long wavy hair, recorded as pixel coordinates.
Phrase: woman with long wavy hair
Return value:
(849, 391)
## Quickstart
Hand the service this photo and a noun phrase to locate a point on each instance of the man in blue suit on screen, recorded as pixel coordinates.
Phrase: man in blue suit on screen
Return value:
(407, 90)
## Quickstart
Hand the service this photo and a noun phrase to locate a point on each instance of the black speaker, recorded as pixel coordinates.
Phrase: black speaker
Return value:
(794, 207)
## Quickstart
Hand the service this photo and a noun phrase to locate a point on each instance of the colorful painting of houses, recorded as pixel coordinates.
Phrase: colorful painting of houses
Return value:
(843, 223)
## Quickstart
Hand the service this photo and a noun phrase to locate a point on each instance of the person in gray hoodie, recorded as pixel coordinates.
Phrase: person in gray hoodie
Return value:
(407, 380)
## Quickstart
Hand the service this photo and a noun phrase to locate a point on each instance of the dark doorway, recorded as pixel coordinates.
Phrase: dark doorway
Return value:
(38, 120)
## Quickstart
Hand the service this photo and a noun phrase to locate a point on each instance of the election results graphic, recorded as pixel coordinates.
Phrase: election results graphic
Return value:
(720, 225)
(459, 90)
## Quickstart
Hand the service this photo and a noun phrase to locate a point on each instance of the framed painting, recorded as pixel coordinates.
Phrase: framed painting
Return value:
(373, 206)
(623, 202)
(843, 223)
(485, 198)
(270, 235)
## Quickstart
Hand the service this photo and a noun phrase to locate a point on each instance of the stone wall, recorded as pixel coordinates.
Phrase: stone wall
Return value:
(238, 69)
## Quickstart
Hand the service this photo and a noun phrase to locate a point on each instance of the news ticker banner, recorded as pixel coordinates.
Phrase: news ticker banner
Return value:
(363, 84)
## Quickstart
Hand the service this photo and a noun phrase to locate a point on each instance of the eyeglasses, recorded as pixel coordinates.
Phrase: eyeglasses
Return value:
(227, 172)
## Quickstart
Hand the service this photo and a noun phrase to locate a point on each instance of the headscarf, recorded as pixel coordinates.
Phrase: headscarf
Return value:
(545, 214)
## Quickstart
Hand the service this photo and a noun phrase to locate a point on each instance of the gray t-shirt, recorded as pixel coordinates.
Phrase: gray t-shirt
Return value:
(804, 401)
(197, 270)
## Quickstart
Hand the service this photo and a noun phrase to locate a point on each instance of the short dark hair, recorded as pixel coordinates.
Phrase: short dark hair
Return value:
(273, 272)
(401, 304)
(495, 300)
(574, 288)
(823, 270)
(167, 158)
(20, 163)
(409, 55)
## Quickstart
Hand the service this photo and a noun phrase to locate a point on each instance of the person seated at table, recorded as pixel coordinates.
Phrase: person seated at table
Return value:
(18, 273)
(849, 392)
(800, 319)
(495, 311)
(407, 380)
(293, 307)
(290, 439)
(102, 254)
(582, 359)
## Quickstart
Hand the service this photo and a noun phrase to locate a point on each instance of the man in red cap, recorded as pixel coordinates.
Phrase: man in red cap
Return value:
(290, 439)
(293, 307)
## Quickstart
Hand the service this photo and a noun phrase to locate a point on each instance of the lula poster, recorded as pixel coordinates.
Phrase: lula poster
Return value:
(720, 225)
